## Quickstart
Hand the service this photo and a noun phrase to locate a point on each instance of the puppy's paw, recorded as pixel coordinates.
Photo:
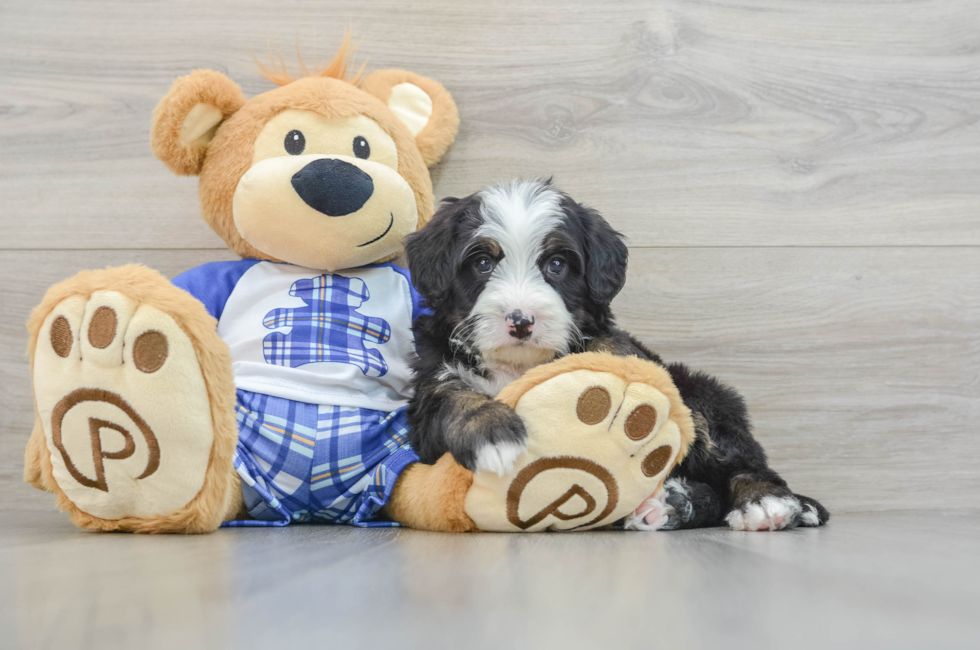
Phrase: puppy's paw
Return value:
(499, 458)
(494, 436)
(814, 514)
(809, 517)
(668, 509)
(653, 514)
(768, 513)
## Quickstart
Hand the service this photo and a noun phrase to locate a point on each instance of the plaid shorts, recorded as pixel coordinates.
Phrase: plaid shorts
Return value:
(314, 463)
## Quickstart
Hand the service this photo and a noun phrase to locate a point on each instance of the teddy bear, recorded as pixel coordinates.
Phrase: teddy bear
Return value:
(273, 389)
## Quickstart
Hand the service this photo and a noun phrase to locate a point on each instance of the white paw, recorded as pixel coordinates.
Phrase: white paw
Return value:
(499, 458)
(768, 513)
(652, 514)
(809, 516)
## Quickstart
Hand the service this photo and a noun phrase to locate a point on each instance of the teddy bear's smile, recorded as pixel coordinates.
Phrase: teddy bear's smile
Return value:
(387, 230)
(337, 188)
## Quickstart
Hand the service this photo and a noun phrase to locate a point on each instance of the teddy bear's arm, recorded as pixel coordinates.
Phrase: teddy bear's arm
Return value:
(212, 283)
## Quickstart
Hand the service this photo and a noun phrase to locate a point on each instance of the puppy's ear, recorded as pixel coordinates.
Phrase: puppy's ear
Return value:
(431, 253)
(187, 118)
(606, 256)
(422, 105)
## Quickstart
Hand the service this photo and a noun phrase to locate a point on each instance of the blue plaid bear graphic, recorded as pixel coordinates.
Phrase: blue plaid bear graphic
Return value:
(328, 328)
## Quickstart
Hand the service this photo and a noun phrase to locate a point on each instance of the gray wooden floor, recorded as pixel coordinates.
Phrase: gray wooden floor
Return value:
(800, 183)
(867, 581)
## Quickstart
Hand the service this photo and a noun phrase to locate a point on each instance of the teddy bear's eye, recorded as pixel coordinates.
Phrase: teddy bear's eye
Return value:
(295, 142)
(361, 147)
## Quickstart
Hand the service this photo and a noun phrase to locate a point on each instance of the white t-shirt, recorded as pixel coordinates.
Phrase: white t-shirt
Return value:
(341, 339)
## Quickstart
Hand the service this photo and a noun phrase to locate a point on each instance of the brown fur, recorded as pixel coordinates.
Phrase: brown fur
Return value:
(631, 369)
(37, 463)
(432, 497)
(220, 497)
(199, 87)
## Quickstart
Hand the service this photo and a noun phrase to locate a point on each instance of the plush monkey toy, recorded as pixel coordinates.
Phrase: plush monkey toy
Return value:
(273, 389)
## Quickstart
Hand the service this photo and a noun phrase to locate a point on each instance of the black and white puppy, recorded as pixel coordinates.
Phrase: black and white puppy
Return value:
(519, 274)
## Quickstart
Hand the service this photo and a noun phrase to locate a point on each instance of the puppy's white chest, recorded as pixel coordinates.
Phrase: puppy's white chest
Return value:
(499, 379)
(491, 385)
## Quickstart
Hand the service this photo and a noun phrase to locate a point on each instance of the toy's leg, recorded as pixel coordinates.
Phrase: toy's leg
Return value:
(134, 402)
(603, 434)
(432, 497)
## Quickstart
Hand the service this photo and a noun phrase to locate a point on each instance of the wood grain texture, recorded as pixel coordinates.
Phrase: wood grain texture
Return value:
(799, 182)
(730, 123)
(861, 367)
(864, 581)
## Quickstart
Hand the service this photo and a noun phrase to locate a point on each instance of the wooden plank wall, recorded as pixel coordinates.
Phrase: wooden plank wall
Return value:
(799, 180)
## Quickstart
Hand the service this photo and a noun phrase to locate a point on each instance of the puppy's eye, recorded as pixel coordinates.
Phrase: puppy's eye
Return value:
(295, 142)
(483, 264)
(557, 265)
(361, 147)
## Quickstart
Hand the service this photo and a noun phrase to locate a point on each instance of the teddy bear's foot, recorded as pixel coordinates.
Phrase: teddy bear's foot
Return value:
(603, 433)
(135, 427)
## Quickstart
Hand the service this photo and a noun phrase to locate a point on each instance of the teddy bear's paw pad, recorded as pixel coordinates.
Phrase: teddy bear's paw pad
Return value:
(124, 406)
(597, 447)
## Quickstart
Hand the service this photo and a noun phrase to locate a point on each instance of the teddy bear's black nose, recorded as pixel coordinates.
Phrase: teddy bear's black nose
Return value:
(333, 187)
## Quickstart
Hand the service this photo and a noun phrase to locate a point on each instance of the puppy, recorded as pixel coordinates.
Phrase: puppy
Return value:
(519, 274)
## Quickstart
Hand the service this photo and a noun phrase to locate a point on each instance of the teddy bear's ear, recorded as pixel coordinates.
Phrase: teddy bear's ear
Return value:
(423, 105)
(186, 119)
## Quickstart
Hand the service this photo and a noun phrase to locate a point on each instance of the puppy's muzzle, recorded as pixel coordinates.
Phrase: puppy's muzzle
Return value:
(520, 324)
(333, 187)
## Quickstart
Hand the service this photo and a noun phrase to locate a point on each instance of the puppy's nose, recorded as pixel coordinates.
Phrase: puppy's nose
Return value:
(520, 324)
(333, 187)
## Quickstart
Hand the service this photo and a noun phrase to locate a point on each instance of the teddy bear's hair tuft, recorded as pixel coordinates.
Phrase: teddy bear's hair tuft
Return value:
(337, 68)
